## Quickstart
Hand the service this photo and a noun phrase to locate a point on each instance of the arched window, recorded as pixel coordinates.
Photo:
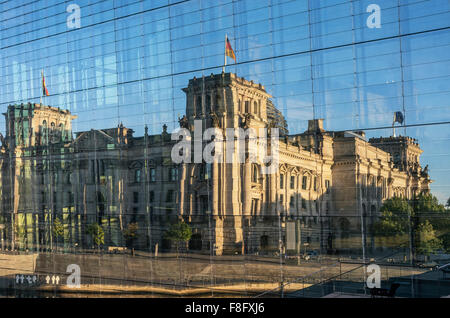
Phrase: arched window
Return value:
(62, 132)
(44, 132)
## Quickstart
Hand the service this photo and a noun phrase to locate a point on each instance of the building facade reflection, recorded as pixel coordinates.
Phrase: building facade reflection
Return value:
(331, 183)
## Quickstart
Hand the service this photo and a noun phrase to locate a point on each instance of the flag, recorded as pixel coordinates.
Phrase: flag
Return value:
(398, 117)
(229, 51)
(44, 88)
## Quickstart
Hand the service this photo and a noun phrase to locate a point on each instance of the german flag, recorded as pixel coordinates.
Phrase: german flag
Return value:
(44, 88)
(229, 50)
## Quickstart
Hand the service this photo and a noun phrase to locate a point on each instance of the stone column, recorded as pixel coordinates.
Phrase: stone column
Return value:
(183, 187)
(273, 194)
(215, 188)
(247, 188)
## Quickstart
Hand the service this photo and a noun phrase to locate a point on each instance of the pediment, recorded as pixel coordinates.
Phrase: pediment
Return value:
(93, 139)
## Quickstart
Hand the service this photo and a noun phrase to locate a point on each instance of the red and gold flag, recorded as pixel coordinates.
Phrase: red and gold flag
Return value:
(44, 88)
(229, 50)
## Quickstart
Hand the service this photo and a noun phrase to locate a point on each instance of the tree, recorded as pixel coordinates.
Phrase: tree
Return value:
(421, 219)
(97, 234)
(57, 230)
(427, 208)
(448, 203)
(394, 221)
(426, 241)
(179, 232)
(20, 233)
(130, 234)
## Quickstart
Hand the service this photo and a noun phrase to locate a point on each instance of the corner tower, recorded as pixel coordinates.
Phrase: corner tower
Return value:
(29, 125)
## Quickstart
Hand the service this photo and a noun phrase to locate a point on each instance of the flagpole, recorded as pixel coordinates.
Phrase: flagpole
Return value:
(225, 55)
(393, 125)
(42, 76)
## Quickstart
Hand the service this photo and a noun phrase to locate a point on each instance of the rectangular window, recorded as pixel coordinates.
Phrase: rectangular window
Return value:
(134, 216)
(173, 174)
(208, 171)
(170, 196)
(315, 183)
(152, 196)
(292, 182)
(304, 182)
(281, 181)
(70, 198)
(137, 175)
(327, 186)
(152, 174)
(135, 197)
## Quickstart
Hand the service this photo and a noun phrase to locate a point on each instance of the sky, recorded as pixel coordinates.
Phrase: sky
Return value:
(129, 60)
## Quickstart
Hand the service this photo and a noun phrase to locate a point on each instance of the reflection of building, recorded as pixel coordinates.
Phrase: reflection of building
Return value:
(328, 181)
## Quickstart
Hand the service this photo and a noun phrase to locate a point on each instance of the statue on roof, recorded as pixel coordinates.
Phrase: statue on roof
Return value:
(425, 171)
(183, 121)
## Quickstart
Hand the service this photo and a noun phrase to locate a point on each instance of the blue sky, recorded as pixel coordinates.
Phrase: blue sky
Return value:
(129, 60)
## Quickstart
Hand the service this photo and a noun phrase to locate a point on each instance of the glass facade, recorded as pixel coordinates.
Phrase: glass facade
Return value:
(353, 96)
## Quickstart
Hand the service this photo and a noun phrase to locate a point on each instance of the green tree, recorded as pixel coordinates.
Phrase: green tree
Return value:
(448, 203)
(426, 240)
(97, 234)
(420, 219)
(57, 230)
(427, 204)
(427, 208)
(130, 234)
(178, 233)
(394, 220)
(20, 233)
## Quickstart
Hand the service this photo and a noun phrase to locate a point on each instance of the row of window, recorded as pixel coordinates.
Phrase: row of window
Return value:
(170, 196)
(173, 175)
(298, 201)
(305, 184)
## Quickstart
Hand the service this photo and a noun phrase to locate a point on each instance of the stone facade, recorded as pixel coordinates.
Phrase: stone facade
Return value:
(330, 183)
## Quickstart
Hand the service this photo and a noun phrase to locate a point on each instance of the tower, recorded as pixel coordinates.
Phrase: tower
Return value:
(34, 133)
(29, 125)
(219, 192)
